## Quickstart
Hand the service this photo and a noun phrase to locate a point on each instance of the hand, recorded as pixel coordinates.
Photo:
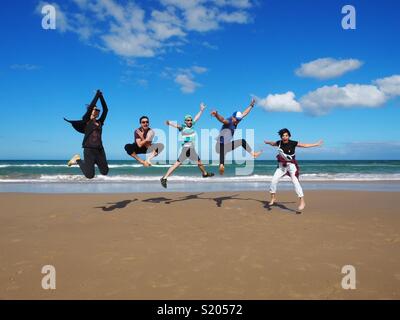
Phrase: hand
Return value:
(99, 92)
(266, 142)
(320, 143)
(140, 134)
(253, 102)
(214, 113)
(202, 106)
(150, 136)
(167, 122)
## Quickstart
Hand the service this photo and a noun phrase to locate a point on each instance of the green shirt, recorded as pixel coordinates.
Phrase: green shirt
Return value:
(188, 134)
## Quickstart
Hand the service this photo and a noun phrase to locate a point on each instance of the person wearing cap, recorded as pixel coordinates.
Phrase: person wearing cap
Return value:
(92, 126)
(144, 143)
(188, 146)
(224, 140)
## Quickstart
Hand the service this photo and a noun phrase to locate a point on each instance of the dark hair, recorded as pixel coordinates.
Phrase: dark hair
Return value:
(283, 131)
(143, 117)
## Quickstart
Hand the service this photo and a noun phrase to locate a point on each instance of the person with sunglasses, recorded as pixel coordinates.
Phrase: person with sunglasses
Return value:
(144, 143)
(188, 146)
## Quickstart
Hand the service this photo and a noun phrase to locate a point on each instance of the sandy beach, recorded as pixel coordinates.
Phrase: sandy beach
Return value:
(227, 245)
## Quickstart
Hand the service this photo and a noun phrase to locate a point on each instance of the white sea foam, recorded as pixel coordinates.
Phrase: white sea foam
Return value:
(64, 178)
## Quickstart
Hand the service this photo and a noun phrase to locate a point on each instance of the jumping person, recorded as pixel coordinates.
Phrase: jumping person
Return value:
(287, 164)
(188, 146)
(92, 144)
(143, 143)
(224, 140)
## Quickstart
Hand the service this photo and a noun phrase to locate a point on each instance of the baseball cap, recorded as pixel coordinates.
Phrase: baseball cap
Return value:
(238, 115)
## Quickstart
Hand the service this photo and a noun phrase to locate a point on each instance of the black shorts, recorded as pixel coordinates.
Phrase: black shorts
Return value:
(134, 148)
(188, 153)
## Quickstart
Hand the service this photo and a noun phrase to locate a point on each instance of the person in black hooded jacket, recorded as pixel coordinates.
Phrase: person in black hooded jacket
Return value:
(91, 126)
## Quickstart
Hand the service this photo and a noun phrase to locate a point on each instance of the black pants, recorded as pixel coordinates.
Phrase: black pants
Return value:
(92, 157)
(224, 148)
(134, 148)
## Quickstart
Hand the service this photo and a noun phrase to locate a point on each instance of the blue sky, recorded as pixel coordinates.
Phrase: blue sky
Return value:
(162, 58)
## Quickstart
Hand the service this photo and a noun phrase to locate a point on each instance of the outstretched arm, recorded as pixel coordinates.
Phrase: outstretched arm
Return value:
(220, 118)
(310, 145)
(198, 115)
(104, 106)
(248, 109)
(86, 116)
(271, 143)
(174, 125)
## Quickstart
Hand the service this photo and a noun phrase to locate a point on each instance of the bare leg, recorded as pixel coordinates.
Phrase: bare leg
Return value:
(172, 169)
(255, 155)
(273, 199)
(143, 162)
(201, 167)
(157, 149)
(302, 204)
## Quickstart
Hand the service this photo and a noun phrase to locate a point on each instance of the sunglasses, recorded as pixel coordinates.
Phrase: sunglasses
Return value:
(189, 120)
(144, 122)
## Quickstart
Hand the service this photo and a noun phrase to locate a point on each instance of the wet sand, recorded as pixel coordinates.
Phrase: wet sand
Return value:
(225, 245)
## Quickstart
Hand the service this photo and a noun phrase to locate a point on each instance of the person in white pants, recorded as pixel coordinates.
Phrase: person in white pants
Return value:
(287, 164)
(283, 170)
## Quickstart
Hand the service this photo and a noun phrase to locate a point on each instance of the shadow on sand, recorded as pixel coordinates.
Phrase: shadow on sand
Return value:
(116, 205)
(220, 200)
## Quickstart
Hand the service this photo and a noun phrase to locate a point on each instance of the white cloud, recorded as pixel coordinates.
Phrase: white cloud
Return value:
(280, 102)
(25, 67)
(322, 100)
(131, 30)
(389, 85)
(209, 45)
(242, 4)
(239, 17)
(185, 77)
(199, 70)
(186, 82)
(326, 68)
(166, 25)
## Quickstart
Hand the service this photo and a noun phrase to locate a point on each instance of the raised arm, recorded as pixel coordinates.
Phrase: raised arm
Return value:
(86, 116)
(198, 115)
(220, 118)
(104, 106)
(271, 143)
(310, 145)
(248, 109)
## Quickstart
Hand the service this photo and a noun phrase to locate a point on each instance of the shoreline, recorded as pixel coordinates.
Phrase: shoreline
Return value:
(179, 186)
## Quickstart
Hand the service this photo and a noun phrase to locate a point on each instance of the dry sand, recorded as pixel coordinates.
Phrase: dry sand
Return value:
(199, 246)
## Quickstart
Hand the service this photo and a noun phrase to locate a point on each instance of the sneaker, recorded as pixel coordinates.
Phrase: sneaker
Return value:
(208, 174)
(164, 182)
(74, 159)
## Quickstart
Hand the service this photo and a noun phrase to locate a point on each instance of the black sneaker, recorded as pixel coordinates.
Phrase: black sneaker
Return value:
(164, 182)
(208, 174)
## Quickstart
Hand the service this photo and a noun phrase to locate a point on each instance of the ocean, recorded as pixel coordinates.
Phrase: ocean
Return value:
(128, 176)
